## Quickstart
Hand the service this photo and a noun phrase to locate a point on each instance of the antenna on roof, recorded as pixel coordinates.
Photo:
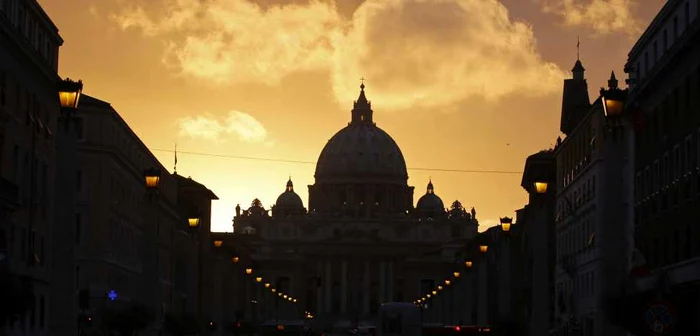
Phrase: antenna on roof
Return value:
(175, 167)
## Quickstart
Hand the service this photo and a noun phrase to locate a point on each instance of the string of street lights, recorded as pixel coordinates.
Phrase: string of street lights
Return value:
(479, 171)
(261, 281)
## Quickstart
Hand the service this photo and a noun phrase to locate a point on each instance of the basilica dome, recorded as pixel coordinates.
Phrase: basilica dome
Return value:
(289, 199)
(361, 150)
(430, 202)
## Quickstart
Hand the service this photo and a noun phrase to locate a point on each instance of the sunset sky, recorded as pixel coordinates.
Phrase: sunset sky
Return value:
(459, 84)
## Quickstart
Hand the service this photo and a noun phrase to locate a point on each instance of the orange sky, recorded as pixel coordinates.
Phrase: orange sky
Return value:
(459, 84)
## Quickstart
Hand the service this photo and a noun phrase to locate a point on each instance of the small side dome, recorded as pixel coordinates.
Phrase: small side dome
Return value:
(289, 201)
(430, 202)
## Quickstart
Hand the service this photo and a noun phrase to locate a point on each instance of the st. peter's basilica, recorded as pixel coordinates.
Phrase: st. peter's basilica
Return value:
(361, 241)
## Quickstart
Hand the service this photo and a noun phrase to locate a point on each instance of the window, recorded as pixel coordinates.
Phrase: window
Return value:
(42, 307)
(675, 29)
(78, 228)
(78, 180)
(656, 52)
(665, 40)
(646, 62)
(656, 176)
(79, 128)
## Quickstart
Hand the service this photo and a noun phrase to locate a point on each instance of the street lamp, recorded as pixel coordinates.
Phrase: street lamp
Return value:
(68, 95)
(218, 243)
(483, 248)
(273, 290)
(258, 279)
(267, 285)
(434, 292)
(456, 274)
(295, 300)
(235, 259)
(427, 295)
(506, 222)
(248, 271)
(468, 264)
(439, 287)
(448, 282)
(152, 178)
(541, 187)
(193, 222)
(613, 101)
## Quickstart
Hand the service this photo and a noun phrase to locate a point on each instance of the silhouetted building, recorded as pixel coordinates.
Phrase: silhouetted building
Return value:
(534, 242)
(664, 81)
(29, 109)
(362, 242)
(132, 244)
(588, 201)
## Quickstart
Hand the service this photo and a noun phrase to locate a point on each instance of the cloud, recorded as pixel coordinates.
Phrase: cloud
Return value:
(208, 127)
(413, 52)
(603, 17)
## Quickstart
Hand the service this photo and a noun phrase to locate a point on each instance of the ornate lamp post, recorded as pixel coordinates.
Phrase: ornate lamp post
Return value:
(68, 96)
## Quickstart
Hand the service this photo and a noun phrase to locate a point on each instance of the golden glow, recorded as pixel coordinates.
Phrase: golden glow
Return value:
(284, 296)
(295, 300)
(193, 222)
(273, 290)
(541, 187)
(152, 181)
(249, 271)
(448, 282)
(427, 295)
(258, 279)
(456, 274)
(85, 34)
(483, 248)
(279, 294)
(439, 288)
(218, 243)
(468, 264)
(267, 285)
(235, 259)
(69, 93)
(612, 107)
(434, 292)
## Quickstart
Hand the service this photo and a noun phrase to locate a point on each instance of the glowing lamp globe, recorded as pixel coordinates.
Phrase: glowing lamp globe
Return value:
(456, 274)
(258, 279)
(218, 243)
(152, 178)
(193, 222)
(506, 222)
(434, 292)
(468, 264)
(249, 271)
(447, 282)
(541, 187)
(69, 93)
(267, 285)
(439, 287)
(483, 248)
(236, 259)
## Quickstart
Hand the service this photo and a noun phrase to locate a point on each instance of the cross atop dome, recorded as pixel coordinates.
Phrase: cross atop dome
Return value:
(362, 108)
(290, 185)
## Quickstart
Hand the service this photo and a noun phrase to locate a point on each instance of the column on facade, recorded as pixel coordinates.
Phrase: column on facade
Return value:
(366, 289)
(382, 282)
(329, 288)
(390, 281)
(504, 291)
(482, 300)
(319, 290)
(344, 287)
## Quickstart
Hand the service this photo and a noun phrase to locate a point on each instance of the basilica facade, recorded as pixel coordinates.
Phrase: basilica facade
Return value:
(361, 241)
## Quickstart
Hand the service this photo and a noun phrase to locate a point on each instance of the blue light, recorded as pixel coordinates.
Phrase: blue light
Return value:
(112, 295)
